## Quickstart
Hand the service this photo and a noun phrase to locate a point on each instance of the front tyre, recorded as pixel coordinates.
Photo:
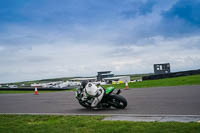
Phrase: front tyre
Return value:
(118, 101)
(85, 104)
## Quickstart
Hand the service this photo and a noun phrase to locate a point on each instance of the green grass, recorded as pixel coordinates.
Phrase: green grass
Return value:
(87, 124)
(185, 80)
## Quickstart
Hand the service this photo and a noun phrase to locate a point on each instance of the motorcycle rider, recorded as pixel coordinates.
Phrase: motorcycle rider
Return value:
(90, 89)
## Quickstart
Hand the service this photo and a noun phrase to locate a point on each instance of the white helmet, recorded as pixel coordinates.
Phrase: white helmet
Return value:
(91, 89)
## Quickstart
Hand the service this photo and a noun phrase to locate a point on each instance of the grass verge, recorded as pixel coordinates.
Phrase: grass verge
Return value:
(185, 80)
(87, 124)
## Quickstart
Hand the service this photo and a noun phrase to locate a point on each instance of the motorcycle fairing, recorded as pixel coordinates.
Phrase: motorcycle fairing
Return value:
(109, 90)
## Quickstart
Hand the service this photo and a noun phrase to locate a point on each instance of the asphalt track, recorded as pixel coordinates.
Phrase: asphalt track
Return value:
(179, 100)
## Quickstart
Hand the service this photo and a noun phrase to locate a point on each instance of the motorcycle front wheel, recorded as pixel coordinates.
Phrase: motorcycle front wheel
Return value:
(85, 105)
(118, 101)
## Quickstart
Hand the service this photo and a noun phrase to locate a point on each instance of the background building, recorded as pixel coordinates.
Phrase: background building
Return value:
(161, 68)
(92, 79)
(104, 74)
(120, 79)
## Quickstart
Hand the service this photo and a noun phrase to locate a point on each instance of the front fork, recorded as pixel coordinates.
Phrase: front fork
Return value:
(118, 92)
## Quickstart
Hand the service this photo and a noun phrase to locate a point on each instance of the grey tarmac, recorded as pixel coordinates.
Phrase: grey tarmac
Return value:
(177, 100)
(153, 118)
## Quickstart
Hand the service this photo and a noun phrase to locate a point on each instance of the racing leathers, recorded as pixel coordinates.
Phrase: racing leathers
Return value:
(92, 90)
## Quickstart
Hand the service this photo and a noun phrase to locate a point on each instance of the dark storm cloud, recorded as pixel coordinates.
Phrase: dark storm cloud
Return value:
(183, 19)
(186, 10)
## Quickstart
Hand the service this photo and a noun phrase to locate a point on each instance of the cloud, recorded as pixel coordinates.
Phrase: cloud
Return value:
(185, 10)
(75, 38)
(62, 59)
(182, 19)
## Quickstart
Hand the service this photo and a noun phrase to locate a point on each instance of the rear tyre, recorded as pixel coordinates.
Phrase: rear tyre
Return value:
(118, 101)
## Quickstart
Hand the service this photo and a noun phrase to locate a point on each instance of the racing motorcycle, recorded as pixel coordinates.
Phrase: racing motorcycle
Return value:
(110, 99)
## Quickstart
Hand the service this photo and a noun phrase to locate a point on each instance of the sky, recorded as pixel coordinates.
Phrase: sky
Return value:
(42, 39)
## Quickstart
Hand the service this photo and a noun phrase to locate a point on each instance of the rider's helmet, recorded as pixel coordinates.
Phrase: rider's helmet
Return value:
(91, 89)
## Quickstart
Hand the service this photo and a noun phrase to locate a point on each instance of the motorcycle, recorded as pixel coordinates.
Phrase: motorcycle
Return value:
(110, 99)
